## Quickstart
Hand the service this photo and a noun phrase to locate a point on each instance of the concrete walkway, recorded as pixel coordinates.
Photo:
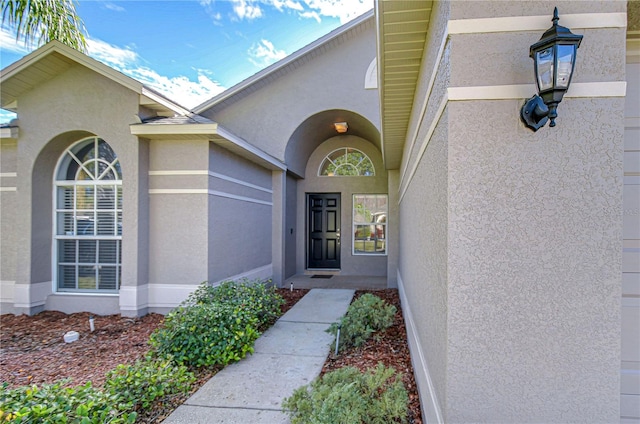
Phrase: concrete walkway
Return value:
(288, 355)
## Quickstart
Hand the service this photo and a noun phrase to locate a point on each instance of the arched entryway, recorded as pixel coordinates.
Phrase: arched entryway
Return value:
(335, 182)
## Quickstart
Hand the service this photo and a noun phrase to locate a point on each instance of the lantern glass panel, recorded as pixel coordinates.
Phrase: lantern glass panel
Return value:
(566, 55)
(544, 62)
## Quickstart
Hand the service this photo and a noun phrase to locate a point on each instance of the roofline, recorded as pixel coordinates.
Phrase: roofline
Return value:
(56, 46)
(250, 148)
(209, 131)
(230, 92)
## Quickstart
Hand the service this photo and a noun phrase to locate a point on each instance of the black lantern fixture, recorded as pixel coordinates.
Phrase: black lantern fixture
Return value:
(554, 58)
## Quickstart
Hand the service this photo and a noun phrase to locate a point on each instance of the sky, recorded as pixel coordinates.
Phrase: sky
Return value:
(192, 50)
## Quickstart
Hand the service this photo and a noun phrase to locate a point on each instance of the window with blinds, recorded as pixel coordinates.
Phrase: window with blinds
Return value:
(88, 219)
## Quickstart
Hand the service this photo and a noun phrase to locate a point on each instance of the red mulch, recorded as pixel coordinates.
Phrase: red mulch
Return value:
(32, 350)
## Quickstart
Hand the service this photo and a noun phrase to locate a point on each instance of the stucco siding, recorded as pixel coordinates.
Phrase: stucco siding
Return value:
(240, 215)
(534, 265)
(423, 259)
(332, 80)
(8, 212)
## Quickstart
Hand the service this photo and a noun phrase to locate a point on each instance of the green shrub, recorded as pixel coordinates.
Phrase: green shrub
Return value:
(54, 403)
(365, 316)
(139, 385)
(256, 297)
(205, 335)
(349, 396)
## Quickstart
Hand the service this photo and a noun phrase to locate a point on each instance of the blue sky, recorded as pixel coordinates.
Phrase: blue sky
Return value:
(191, 50)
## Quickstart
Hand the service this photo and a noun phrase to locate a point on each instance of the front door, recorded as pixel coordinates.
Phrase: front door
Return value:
(324, 230)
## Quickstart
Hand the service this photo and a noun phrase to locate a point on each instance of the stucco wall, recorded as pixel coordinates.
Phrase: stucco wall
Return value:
(423, 260)
(332, 80)
(178, 243)
(73, 105)
(522, 324)
(8, 212)
(240, 215)
(369, 265)
(423, 219)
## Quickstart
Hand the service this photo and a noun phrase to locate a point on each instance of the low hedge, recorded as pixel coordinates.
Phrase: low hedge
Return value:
(347, 395)
(55, 403)
(367, 315)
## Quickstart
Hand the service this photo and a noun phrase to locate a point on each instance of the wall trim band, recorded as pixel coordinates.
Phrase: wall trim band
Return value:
(188, 172)
(536, 23)
(209, 192)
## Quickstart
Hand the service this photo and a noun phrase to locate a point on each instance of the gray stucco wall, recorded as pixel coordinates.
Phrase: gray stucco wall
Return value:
(291, 226)
(73, 105)
(423, 259)
(347, 186)
(522, 324)
(333, 80)
(240, 227)
(178, 243)
(8, 212)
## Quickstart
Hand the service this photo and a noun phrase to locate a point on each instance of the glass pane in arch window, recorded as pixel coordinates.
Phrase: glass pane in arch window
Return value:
(346, 162)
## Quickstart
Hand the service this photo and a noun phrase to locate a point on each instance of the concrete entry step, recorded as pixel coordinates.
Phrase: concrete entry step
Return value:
(288, 355)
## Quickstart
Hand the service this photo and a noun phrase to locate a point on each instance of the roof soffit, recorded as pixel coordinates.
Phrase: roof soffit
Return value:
(402, 33)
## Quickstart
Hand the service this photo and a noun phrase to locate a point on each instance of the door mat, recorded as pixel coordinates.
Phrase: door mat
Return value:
(321, 276)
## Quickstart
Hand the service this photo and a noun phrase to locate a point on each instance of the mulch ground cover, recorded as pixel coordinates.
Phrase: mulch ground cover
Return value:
(32, 350)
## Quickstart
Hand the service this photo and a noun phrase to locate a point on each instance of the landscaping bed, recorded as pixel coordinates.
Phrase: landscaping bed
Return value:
(32, 350)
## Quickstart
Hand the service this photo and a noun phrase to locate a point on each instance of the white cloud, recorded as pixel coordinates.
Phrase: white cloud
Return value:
(179, 89)
(9, 43)
(114, 7)
(345, 10)
(287, 4)
(264, 53)
(311, 15)
(111, 55)
(247, 9)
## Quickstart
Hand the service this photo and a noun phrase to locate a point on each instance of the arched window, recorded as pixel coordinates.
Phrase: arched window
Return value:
(88, 218)
(346, 162)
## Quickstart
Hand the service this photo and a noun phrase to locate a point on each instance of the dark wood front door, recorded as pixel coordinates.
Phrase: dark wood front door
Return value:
(324, 230)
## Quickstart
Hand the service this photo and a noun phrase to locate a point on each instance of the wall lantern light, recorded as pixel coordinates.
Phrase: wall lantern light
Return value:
(554, 58)
(341, 127)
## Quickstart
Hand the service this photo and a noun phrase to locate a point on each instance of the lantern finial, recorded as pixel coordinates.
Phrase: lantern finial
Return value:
(556, 18)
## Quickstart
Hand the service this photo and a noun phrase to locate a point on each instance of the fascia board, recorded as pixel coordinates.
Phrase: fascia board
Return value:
(159, 98)
(75, 55)
(9, 133)
(96, 66)
(282, 63)
(169, 129)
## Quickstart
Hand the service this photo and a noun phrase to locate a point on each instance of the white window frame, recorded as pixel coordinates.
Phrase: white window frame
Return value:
(355, 224)
(65, 160)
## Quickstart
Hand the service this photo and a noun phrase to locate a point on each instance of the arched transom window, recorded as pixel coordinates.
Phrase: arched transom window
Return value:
(346, 162)
(88, 218)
